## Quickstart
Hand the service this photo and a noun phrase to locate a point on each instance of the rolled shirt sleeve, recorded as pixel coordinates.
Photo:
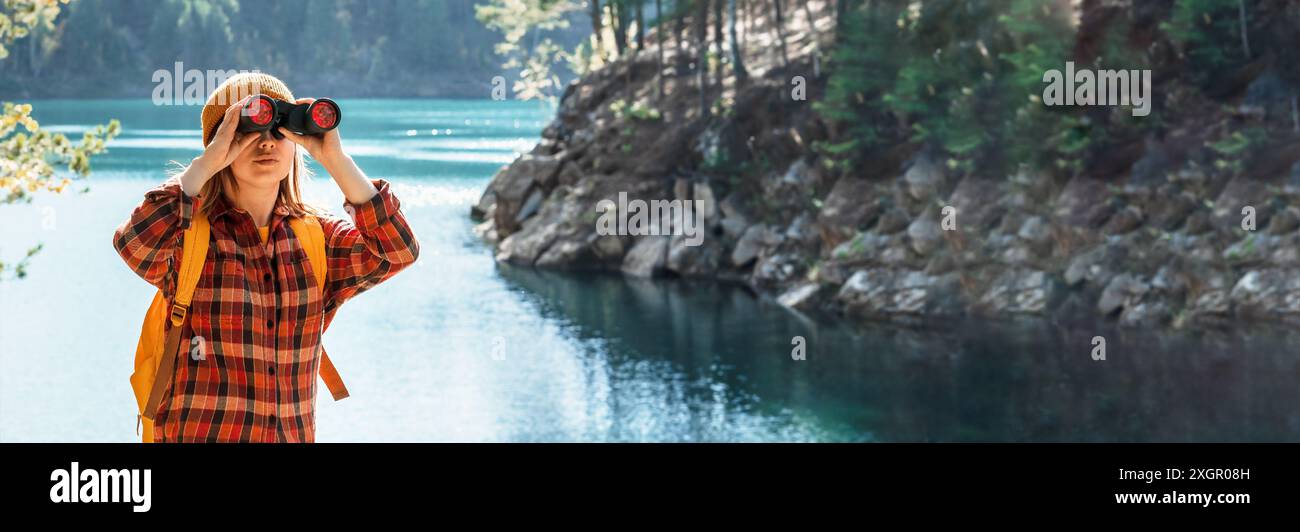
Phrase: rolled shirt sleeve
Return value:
(375, 244)
(151, 236)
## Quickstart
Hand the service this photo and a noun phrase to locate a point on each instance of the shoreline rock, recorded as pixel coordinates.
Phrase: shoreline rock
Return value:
(1158, 242)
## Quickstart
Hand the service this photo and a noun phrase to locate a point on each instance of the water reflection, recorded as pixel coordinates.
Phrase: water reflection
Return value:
(967, 381)
(593, 357)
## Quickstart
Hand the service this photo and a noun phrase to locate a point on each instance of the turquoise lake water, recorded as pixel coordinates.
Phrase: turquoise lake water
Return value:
(458, 348)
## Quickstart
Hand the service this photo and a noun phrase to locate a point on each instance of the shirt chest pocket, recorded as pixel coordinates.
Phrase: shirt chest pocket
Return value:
(221, 300)
(297, 262)
(299, 293)
(295, 266)
(229, 272)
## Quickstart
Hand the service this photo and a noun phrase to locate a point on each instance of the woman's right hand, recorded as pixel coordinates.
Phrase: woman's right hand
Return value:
(226, 145)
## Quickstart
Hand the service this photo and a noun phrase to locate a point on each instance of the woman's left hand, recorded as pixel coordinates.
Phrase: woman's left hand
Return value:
(328, 151)
(325, 148)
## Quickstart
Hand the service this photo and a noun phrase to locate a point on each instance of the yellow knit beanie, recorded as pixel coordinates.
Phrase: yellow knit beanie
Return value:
(234, 89)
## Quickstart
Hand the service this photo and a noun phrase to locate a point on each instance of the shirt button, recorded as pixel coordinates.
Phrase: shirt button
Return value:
(272, 419)
(270, 324)
(270, 369)
(266, 278)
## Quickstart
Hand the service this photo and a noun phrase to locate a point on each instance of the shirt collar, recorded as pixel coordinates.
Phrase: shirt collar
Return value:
(221, 206)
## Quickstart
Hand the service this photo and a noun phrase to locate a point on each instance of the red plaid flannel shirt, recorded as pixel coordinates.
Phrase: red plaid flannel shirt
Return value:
(257, 309)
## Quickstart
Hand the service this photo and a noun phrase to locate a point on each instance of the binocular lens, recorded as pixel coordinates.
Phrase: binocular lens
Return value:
(260, 111)
(324, 114)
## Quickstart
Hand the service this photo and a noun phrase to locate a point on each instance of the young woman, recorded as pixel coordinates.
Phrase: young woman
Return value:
(257, 310)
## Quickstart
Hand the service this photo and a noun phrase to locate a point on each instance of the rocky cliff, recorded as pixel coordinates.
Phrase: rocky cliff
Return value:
(1152, 236)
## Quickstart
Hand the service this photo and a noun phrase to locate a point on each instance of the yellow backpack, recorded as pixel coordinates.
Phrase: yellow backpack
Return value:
(157, 340)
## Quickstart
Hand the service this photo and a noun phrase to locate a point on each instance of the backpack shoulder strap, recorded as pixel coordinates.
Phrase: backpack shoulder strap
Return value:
(194, 252)
(308, 229)
(312, 235)
(193, 255)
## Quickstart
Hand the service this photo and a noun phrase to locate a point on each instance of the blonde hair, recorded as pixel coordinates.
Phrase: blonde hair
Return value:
(290, 194)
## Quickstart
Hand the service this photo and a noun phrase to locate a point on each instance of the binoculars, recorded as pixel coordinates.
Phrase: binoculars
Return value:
(264, 113)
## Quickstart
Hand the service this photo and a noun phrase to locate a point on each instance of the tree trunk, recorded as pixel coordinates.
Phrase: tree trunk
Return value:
(718, 40)
(701, 47)
(1245, 39)
(640, 25)
(749, 23)
(596, 26)
(659, 36)
(737, 60)
(625, 20)
(816, 37)
(841, 16)
(1295, 114)
(617, 18)
(679, 27)
(780, 33)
